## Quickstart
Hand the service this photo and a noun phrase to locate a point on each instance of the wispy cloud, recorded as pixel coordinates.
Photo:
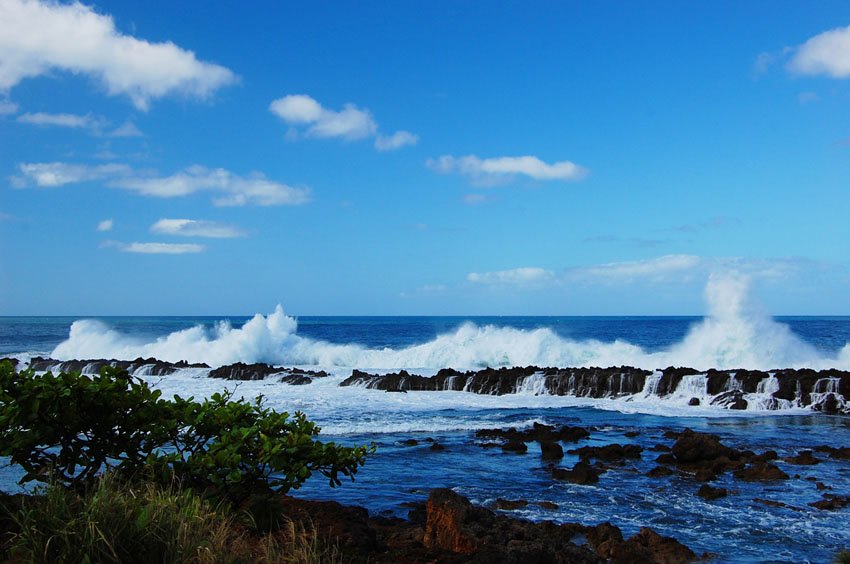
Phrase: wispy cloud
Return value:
(395, 141)
(827, 53)
(74, 121)
(41, 36)
(105, 225)
(308, 117)
(230, 189)
(666, 269)
(155, 248)
(127, 129)
(655, 267)
(808, 97)
(474, 199)
(513, 277)
(501, 169)
(7, 108)
(52, 175)
(639, 242)
(196, 228)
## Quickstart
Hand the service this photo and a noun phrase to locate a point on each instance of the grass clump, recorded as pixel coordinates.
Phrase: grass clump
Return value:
(118, 521)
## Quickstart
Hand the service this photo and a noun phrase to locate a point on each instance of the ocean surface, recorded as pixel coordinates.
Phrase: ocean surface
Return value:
(735, 529)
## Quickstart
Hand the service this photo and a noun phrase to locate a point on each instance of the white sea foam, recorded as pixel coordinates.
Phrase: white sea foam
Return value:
(735, 334)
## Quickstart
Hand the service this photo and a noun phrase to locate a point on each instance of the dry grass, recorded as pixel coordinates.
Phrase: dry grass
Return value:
(118, 522)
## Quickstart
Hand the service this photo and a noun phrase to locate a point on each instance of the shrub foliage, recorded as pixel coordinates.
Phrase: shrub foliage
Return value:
(72, 427)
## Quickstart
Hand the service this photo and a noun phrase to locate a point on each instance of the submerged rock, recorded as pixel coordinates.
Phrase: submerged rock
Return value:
(582, 473)
(760, 471)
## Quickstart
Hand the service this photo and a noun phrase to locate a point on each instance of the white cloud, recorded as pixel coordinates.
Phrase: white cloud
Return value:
(230, 189)
(306, 116)
(64, 120)
(395, 141)
(196, 228)
(51, 175)
(162, 248)
(301, 110)
(37, 37)
(128, 129)
(656, 267)
(514, 277)
(474, 199)
(826, 53)
(105, 225)
(485, 171)
(7, 108)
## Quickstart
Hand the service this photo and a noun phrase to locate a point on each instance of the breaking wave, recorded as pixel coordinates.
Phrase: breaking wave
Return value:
(735, 334)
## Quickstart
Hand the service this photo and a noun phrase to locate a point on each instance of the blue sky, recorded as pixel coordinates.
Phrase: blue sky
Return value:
(572, 158)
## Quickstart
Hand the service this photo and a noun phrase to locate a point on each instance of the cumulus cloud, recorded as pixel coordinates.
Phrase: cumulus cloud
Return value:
(73, 121)
(230, 189)
(395, 141)
(493, 170)
(514, 277)
(105, 225)
(38, 37)
(308, 117)
(349, 123)
(196, 228)
(827, 53)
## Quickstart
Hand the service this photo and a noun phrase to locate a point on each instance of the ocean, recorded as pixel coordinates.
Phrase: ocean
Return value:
(737, 528)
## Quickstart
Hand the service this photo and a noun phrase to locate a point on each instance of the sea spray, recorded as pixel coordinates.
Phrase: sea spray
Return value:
(735, 334)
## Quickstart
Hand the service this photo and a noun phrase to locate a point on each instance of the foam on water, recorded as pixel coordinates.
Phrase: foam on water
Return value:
(735, 334)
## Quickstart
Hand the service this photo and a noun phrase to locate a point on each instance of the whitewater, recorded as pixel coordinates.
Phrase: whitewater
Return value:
(736, 333)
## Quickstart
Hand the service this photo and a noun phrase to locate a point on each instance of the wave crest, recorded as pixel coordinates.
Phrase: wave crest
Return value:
(735, 334)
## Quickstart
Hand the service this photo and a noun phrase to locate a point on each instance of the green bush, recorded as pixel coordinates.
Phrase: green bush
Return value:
(72, 427)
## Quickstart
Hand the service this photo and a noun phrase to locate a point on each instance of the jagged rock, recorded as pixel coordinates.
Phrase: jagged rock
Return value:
(693, 402)
(804, 458)
(509, 505)
(608, 453)
(733, 399)
(772, 503)
(831, 502)
(242, 371)
(649, 546)
(548, 505)
(760, 471)
(455, 525)
(550, 450)
(710, 493)
(660, 472)
(692, 446)
(582, 473)
(515, 446)
(840, 453)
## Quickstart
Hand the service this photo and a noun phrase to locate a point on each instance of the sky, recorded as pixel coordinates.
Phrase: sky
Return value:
(412, 158)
